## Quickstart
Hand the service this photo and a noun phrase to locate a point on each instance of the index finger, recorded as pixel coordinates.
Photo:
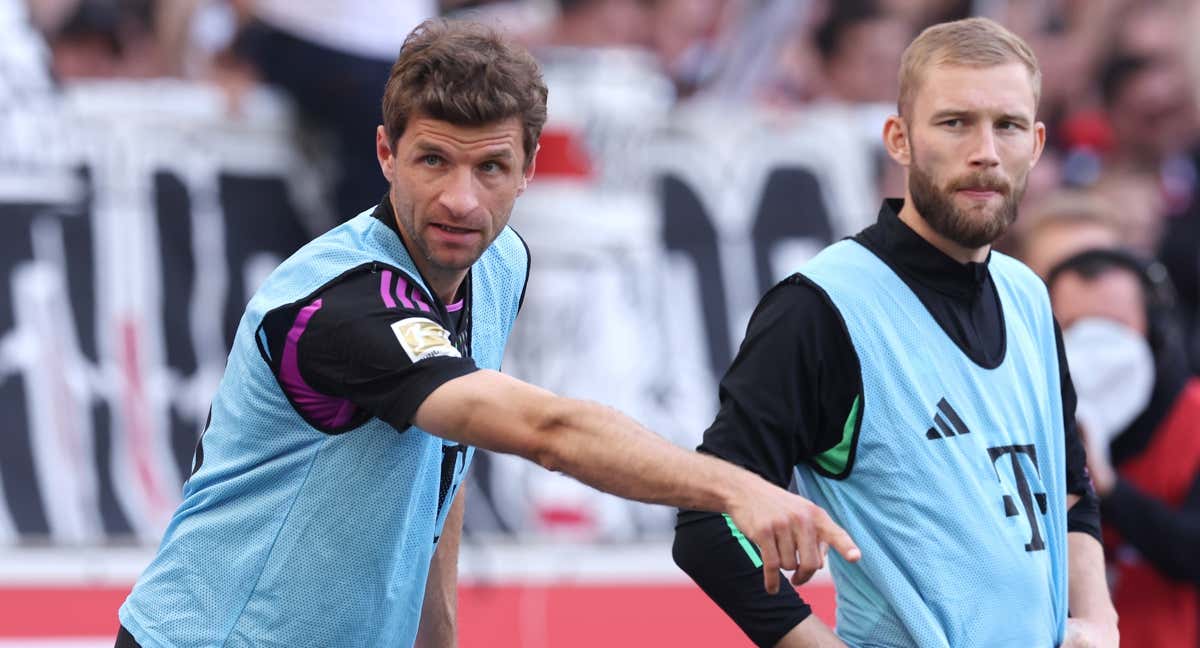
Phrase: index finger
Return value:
(836, 536)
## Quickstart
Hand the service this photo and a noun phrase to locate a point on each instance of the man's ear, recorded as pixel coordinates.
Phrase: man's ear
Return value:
(529, 169)
(896, 140)
(1039, 143)
(383, 151)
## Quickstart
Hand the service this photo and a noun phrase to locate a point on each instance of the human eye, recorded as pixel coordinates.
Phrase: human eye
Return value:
(492, 167)
(1009, 126)
(953, 122)
(431, 160)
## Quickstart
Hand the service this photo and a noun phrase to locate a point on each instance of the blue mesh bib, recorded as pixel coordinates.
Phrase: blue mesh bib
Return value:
(288, 536)
(955, 483)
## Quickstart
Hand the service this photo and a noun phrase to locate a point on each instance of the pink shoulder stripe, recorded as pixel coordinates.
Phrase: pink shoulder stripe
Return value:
(401, 289)
(417, 297)
(385, 288)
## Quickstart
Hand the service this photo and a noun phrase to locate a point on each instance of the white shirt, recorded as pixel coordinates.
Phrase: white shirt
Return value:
(368, 28)
(24, 59)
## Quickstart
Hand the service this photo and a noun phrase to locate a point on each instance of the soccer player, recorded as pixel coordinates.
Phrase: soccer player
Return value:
(325, 502)
(914, 382)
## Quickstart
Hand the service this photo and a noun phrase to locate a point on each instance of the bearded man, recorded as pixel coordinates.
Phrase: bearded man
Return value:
(915, 385)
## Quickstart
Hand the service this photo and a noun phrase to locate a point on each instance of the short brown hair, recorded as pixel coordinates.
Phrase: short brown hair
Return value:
(466, 74)
(973, 42)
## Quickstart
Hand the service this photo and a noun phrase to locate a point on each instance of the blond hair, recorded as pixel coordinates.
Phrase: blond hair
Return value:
(973, 42)
(1068, 207)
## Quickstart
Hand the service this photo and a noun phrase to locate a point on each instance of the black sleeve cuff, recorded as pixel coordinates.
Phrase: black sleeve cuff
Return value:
(1084, 517)
(724, 566)
(434, 373)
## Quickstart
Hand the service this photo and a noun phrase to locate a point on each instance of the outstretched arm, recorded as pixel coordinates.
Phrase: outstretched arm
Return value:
(609, 451)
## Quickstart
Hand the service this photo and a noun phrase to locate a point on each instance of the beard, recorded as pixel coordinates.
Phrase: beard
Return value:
(971, 228)
(418, 244)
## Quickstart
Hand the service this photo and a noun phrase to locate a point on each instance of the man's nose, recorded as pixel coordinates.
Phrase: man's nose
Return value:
(459, 195)
(983, 150)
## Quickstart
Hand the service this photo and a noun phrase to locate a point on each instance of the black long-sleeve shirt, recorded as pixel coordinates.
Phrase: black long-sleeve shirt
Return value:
(788, 394)
(1166, 536)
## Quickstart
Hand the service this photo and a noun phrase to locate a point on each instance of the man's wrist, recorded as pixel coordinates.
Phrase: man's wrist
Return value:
(1104, 617)
(727, 483)
(735, 491)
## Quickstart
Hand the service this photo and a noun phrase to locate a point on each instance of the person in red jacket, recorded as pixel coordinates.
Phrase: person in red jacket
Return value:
(1139, 407)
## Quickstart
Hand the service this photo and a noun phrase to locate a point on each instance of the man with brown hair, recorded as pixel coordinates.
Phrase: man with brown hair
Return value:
(914, 384)
(325, 503)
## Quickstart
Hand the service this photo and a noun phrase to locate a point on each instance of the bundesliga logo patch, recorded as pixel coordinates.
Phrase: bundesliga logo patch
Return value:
(424, 338)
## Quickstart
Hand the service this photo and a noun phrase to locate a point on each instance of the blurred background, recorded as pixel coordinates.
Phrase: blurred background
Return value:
(159, 158)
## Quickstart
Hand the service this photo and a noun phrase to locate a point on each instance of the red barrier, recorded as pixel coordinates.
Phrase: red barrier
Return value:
(490, 616)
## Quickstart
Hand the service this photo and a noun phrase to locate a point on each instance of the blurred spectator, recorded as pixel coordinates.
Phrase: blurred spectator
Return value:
(1151, 111)
(1137, 201)
(523, 20)
(603, 23)
(1071, 38)
(87, 44)
(923, 13)
(196, 37)
(1139, 408)
(333, 57)
(753, 48)
(686, 36)
(91, 39)
(1180, 253)
(1149, 28)
(860, 46)
(608, 94)
(1190, 24)
(1061, 225)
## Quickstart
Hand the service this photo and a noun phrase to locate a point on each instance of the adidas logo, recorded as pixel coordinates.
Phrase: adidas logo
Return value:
(947, 421)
